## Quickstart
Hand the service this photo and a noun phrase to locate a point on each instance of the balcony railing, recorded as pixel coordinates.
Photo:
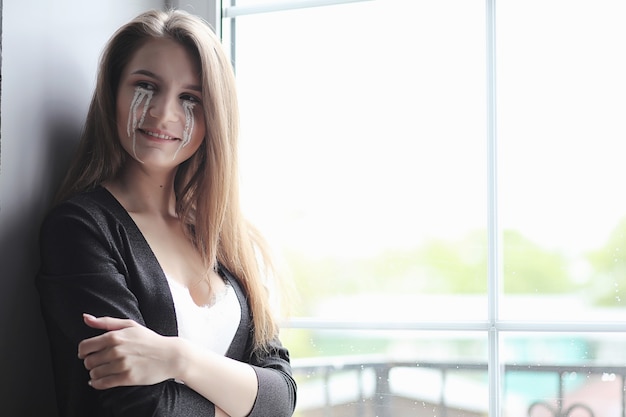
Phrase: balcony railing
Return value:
(371, 378)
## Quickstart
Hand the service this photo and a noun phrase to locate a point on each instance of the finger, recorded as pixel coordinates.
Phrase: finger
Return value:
(99, 343)
(117, 367)
(91, 346)
(100, 358)
(113, 374)
(107, 323)
(109, 381)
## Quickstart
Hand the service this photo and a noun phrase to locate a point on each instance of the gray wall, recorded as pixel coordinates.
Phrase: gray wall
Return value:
(49, 57)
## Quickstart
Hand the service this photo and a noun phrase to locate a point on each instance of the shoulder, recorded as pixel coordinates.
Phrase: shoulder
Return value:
(96, 201)
(94, 206)
(82, 218)
(80, 234)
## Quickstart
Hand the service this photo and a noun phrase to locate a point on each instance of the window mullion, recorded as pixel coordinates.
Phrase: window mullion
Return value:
(494, 253)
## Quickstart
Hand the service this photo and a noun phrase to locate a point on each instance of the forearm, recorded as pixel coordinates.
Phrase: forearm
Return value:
(220, 413)
(229, 384)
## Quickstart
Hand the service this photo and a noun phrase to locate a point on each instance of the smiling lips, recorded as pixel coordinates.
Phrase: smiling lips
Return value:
(158, 135)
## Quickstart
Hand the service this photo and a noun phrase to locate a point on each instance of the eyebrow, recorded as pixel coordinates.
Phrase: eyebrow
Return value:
(157, 77)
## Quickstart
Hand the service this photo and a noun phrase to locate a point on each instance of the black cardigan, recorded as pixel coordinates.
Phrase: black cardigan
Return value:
(94, 259)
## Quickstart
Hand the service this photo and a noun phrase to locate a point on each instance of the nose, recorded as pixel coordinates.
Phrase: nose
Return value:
(165, 108)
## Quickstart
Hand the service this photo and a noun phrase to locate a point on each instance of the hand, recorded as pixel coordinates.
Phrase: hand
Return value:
(127, 354)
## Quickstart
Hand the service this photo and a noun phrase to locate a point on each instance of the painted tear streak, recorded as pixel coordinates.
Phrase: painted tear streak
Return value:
(133, 123)
(189, 125)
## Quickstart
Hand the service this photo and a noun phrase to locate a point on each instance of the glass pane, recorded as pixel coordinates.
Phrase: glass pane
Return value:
(363, 143)
(549, 374)
(561, 107)
(388, 373)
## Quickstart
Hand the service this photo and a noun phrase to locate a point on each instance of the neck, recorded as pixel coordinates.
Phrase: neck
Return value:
(145, 193)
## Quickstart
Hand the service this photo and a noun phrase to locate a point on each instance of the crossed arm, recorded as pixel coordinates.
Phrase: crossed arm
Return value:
(132, 362)
(130, 354)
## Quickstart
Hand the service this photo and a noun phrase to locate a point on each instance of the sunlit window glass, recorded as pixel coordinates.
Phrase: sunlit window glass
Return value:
(561, 107)
(364, 153)
(367, 162)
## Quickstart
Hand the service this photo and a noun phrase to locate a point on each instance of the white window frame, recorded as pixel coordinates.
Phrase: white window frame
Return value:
(222, 18)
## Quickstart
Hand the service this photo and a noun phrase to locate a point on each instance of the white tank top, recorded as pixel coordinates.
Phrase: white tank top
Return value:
(212, 327)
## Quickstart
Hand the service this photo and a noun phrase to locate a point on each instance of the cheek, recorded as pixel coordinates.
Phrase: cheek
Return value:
(199, 130)
(199, 133)
(121, 115)
(193, 130)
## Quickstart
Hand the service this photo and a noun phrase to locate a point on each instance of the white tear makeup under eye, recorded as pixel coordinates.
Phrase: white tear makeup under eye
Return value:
(189, 124)
(133, 123)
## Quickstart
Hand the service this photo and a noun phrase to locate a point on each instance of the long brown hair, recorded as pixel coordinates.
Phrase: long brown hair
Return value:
(207, 184)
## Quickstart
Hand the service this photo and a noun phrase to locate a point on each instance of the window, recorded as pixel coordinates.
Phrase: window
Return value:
(444, 181)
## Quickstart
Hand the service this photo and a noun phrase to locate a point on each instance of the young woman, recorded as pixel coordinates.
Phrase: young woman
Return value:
(150, 278)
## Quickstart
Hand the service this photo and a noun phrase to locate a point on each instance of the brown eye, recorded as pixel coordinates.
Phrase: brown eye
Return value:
(146, 85)
(190, 98)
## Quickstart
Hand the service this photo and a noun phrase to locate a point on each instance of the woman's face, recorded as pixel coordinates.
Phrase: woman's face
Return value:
(160, 119)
